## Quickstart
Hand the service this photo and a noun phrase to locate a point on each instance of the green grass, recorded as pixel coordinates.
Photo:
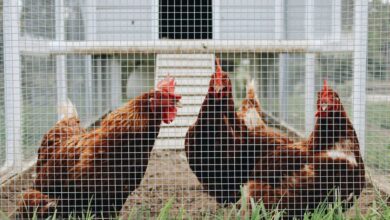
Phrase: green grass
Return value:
(378, 210)
(377, 138)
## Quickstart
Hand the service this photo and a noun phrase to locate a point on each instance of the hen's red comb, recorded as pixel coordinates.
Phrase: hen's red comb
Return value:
(325, 85)
(167, 84)
(218, 72)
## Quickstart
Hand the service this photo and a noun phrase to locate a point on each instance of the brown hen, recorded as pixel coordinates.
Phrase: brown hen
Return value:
(326, 166)
(220, 148)
(97, 170)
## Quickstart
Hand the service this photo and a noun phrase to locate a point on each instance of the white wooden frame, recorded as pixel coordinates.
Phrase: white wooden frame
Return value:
(31, 46)
(280, 34)
(61, 81)
(15, 45)
(12, 85)
(216, 19)
(90, 32)
(155, 19)
(360, 70)
(336, 19)
(310, 62)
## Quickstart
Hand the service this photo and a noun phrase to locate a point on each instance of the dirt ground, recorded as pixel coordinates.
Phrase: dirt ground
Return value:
(168, 177)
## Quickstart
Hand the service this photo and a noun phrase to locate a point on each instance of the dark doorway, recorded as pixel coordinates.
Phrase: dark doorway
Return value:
(185, 19)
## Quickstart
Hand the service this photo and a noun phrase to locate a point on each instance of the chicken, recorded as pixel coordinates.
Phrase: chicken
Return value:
(67, 127)
(97, 170)
(211, 144)
(220, 148)
(326, 166)
(252, 116)
(250, 109)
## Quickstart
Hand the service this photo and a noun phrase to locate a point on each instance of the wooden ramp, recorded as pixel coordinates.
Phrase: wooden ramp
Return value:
(192, 73)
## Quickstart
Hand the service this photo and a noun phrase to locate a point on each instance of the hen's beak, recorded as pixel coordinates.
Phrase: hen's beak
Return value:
(218, 88)
(324, 107)
(179, 104)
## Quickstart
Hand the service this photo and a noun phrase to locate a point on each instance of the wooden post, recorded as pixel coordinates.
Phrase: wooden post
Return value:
(155, 19)
(360, 69)
(309, 69)
(89, 14)
(12, 85)
(283, 83)
(336, 19)
(216, 19)
(310, 62)
(62, 92)
(280, 16)
(115, 73)
(88, 68)
(280, 34)
(99, 84)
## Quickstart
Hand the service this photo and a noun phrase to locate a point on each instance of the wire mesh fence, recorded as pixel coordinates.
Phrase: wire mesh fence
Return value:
(90, 94)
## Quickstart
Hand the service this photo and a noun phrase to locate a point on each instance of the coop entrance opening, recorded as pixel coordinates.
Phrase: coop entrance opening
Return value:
(185, 19)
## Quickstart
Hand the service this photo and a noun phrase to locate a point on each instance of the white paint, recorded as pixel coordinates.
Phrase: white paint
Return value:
(283, 82)
(172, 135)
(246, 19)
(89, 15)
(89, 88)
(31, 46)
(12, 85)
(360, 70)
(309, 19)
(155, 19)
(61, 81)
(280, 31)
(216, 19)
(115, 73)
(99, 84)
(378, 98)
(310, 62)
(126, 20)
(336, 19)
(62, 91)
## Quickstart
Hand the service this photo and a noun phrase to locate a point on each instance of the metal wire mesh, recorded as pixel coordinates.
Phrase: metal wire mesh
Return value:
(98, 55)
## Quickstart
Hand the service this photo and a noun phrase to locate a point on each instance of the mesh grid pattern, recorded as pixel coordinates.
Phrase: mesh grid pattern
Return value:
(90, 117)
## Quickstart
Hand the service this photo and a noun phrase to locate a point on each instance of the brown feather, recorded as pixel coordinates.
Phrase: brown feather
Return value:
(298, 177)
(221, 149)
(100, 168)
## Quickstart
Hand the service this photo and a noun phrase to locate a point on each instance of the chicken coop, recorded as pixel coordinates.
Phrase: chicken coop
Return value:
(131, 108)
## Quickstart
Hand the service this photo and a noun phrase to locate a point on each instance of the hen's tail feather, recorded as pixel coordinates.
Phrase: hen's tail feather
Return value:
(67, 109)
(35, 203)
(251, 89)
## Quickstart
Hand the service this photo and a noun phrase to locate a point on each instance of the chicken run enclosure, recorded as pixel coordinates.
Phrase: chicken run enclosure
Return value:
(116, 106)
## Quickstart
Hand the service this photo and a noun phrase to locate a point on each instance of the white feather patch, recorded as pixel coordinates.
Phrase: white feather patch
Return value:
(342, 150)
(252, 119)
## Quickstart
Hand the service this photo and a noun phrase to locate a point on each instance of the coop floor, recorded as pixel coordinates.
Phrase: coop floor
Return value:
(168, 177)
